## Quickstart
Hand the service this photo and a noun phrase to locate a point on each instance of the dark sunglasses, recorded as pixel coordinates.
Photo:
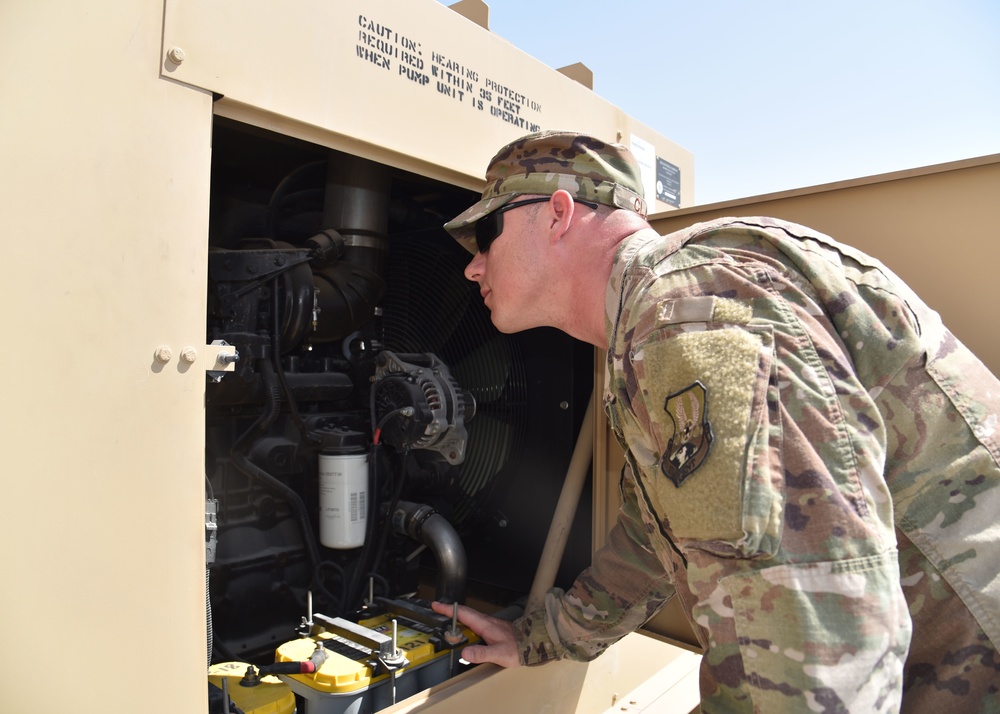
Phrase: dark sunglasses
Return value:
(491, 225)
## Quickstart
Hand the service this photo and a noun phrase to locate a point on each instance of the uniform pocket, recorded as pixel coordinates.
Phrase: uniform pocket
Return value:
(969, 386)
(836, 632)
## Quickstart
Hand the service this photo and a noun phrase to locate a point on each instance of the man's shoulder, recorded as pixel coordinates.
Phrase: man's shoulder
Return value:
(649, 251)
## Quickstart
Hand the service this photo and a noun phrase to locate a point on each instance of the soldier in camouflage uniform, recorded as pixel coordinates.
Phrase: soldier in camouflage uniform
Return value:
(811, 457)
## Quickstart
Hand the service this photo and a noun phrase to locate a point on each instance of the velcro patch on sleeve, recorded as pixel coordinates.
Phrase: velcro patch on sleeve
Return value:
(704, 308)
(731, 368)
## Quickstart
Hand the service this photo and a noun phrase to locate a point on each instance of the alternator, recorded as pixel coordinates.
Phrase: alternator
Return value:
(419, 405)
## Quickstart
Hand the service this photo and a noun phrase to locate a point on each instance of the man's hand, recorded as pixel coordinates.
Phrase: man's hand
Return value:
(497, 634)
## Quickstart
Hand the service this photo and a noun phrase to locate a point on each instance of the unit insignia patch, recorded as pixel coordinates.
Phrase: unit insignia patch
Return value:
(692, 438)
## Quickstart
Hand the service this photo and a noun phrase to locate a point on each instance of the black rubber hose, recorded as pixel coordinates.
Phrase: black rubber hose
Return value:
(280, 372)
(237, 455)
(397, 492)
(371, 557)
(354, 591)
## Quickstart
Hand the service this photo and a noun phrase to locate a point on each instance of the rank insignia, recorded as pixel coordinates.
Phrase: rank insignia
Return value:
(692, 438)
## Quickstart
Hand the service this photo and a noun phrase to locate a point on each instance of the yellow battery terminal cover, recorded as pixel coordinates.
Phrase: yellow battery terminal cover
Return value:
(348, 666)
(271, 696)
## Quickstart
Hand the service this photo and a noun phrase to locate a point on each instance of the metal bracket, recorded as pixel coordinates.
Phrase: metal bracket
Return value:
(380, 645)
(222, 358)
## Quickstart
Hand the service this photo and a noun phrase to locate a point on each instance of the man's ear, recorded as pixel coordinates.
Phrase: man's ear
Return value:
(560, 213)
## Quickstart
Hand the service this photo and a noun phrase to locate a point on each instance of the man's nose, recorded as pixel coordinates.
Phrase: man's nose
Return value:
(474, 270)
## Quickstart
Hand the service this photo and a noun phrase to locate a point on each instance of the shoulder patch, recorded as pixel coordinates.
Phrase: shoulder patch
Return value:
(692, 437)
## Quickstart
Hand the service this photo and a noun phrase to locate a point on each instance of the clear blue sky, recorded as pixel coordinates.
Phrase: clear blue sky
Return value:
(779, 94)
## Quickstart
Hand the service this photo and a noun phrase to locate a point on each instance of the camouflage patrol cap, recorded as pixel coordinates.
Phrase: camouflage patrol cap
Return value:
(545, 162)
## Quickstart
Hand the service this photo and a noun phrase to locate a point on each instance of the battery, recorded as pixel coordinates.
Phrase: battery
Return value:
(270, 697)
(352, 681)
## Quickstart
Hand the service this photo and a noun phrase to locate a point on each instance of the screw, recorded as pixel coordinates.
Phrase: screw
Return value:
(163, 354)
(175, 55)
(189, 355)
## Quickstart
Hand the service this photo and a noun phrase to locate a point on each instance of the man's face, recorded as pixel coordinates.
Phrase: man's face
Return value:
(509, 270)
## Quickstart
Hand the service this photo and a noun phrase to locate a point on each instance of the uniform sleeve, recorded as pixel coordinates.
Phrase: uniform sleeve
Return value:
(748, 450)
(625, 585)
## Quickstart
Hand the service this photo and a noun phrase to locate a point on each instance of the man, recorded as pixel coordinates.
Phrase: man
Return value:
(811, 457)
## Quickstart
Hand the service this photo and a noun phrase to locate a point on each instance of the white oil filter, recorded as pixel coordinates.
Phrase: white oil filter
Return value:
(343, 499)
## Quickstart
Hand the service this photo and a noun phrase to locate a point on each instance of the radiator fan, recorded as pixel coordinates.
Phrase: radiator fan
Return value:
(429, 306)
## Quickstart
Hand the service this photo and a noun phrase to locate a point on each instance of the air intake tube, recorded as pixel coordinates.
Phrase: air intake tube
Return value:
(424, 524)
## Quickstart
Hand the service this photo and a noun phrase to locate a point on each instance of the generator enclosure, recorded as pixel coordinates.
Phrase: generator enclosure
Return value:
(279, 394)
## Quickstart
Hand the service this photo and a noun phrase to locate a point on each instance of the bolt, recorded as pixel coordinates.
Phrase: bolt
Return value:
(163, 354)
(189, 355)
(564, 405)
(228, 358)
(175, 55)
(251, 678)
(453, 635)
(396, 652)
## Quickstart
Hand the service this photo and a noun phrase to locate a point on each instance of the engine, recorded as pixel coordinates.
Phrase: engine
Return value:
(377, 442)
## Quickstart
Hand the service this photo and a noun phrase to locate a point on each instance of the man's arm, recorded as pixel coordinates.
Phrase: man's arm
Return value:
(625, 586)
(760, 454)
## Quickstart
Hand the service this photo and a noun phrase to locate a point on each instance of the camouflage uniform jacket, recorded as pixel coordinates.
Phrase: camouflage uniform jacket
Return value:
(811, 467)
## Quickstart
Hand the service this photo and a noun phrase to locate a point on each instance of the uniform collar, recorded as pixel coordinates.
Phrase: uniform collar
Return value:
(627, 250)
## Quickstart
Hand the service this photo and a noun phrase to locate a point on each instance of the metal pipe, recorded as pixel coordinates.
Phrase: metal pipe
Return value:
(562, 519)
(356, 205)
(424, 524)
